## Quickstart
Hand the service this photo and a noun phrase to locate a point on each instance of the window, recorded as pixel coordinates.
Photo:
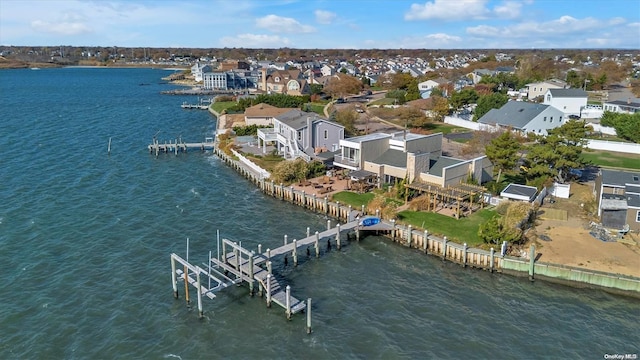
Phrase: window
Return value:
(545, 118)
(560, 119)
(299, 135)
(638, 216)
(551, 119)
(549, 97)
(326, 134)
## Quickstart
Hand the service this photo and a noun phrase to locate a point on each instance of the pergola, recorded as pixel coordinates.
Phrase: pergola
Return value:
(437, 194)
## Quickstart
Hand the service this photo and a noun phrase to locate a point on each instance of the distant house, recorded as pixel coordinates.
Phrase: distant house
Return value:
(426, 87)
(622, 107)
(198, 69)
(291, 82)
(540, 88)
(414, 157)
(569, 101)
(618, 196)
(299, 134)
(524, 117)
(263, 114)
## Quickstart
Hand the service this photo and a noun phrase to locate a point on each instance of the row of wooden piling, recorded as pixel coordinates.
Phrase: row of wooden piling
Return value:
(459, 253)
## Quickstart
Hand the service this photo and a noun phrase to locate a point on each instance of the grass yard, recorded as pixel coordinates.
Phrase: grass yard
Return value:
(222, 105)
(267, 162)
(615, 160)
(317, 108)
(353, 199)
(464, 230)
(444, 128)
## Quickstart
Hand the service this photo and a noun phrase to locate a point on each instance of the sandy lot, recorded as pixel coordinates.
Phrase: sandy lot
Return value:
(569, 242)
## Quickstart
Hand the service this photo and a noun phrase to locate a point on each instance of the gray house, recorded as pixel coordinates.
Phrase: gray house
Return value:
(618, 195)
(525, 117)
(299, 134)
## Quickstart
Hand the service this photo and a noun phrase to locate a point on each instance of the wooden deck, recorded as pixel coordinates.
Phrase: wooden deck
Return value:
(179, 147)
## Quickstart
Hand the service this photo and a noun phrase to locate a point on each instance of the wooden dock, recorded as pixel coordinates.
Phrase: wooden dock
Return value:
(176, 146)
(237, 265)
(194, 106)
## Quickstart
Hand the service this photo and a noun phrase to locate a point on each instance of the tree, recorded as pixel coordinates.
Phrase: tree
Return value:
(440, 108)
(573, 79)
(462, 98)
(488, 102)
(627, 125)
(342, 85)
(347, 118)
(503, 152)
(557, 153)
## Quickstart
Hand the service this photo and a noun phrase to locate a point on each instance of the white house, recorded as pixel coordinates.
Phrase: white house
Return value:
(414, 157)
(623, 107)
(426, 87)
(525, 117)
(569, 101)
(540, 88)
(198, 69)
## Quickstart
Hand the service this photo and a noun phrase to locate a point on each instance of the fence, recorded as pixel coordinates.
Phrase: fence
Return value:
(615, 146)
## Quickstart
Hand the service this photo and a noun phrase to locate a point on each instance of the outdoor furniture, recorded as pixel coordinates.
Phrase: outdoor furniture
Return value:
(325, 190)
(304, 183)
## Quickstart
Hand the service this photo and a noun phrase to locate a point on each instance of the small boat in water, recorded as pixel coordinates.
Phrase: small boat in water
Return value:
(35, 68)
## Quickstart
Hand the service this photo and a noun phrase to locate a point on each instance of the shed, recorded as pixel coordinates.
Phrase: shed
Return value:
(519, 192)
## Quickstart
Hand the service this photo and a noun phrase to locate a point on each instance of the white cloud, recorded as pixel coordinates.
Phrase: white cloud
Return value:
(461, 10)
(255, 41)
(325, 17)
(61, 28)
(279, 24)
(484, 30)
(508, 10)
(447, 10)
(617, 21)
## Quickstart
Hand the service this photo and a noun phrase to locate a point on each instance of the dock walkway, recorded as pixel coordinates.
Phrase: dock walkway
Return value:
(179, 147)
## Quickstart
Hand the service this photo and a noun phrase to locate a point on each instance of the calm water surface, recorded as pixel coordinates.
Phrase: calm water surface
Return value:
(85, 239)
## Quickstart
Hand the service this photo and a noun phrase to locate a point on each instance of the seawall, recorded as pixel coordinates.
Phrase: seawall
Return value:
(493, 261)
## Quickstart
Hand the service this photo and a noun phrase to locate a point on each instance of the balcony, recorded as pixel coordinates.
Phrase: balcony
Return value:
(343, 161)
(267, 135)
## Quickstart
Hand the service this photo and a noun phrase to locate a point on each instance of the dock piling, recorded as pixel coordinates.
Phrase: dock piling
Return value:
(309, 316)
(186, 284)
(294, 253)
(285, 239)
(328, 224)
(174, 281)
(200, 312)
(269, 267)
(317, 244)
(464, 255)
(269, 287)
(425, 242)
(338, 236)
(491, 260)
(288, 301)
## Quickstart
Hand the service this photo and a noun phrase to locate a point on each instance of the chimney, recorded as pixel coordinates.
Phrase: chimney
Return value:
(264, 79)
(628, 101)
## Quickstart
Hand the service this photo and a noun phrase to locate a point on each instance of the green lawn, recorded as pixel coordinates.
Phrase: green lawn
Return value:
(317, 108)
(353, 199)
(220, 106)
(608, 159)
(464, 230)
(444, 128)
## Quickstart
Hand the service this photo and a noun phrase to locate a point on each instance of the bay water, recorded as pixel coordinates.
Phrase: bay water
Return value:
(85, 239)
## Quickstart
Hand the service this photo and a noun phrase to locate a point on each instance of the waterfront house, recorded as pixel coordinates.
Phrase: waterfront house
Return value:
(403, 155)
(263, 114)
(299, 134)
(618, 196)
(198, 69)
(569, 101)
(525, 117)
(290, 82)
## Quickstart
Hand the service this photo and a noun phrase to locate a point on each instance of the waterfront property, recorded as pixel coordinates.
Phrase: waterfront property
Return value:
(299, 134)
(492, 260)
(618, 196)
(411, 157)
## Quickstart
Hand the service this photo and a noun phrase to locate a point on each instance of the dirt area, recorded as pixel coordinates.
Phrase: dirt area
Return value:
(569, 242)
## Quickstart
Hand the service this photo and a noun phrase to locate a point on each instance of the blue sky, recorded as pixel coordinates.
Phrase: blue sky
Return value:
(323, 24)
